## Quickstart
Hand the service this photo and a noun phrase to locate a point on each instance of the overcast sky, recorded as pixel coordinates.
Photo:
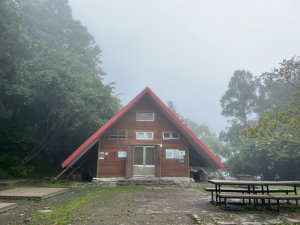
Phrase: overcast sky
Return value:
(187, 51)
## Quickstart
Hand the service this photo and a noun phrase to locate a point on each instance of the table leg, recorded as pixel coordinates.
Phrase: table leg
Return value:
(216, 191)
(263, 192)
(249, 193)
(268, 192)
(255, 201)
(219, 191)
(295, 190)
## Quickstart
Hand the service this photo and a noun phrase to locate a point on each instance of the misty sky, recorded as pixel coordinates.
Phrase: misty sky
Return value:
(187, 51)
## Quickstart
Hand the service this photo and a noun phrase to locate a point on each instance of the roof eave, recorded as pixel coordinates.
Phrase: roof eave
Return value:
(77, 153)
(194, 141)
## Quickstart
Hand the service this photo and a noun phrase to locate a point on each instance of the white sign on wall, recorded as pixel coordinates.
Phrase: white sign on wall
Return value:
(181, 154)
(169, 154)
(122, 154)
(175, 154)
(101, 155)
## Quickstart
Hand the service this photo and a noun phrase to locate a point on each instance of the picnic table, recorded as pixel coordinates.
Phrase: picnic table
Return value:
(253, 190)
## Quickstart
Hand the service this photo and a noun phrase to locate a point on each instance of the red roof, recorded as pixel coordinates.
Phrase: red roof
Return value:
(92, 139)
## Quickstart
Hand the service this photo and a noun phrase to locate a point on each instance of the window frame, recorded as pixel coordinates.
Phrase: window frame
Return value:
(144, 138)
(171, 135)
(140, 120)
(117, 136)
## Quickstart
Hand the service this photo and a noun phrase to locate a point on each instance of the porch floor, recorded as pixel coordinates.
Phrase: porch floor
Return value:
(31, 193)
(144, 180)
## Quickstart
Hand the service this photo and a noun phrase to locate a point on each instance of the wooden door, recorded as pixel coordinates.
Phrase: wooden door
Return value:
(144, 161)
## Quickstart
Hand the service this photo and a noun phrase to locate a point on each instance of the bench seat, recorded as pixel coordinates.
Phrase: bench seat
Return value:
(285, 197)
(244, 196)
(228, 189)
(257, 197)
(243, 190)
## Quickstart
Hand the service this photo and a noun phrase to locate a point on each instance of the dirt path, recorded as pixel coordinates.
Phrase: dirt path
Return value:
(173, 205)
(143, 205)
(150, 205)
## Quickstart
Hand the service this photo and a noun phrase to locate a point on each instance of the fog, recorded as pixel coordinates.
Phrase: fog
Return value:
(186, 51)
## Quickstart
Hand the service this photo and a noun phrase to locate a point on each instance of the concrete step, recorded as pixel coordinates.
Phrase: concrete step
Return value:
(7, 206)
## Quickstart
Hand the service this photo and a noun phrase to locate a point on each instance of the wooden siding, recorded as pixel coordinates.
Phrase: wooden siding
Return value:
(116, 167)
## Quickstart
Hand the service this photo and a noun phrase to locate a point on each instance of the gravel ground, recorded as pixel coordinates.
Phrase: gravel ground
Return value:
(148, 205)
(22, 212)
(151, 205)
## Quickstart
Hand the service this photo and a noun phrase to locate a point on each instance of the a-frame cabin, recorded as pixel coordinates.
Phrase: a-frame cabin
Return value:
(145, 139)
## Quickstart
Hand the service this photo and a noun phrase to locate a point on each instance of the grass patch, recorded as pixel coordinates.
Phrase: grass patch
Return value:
(202, 219)
(7, 186)
(202, 190)
(58, 184)
(66, 212)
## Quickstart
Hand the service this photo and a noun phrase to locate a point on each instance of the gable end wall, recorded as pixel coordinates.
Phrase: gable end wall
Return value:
(112, 166)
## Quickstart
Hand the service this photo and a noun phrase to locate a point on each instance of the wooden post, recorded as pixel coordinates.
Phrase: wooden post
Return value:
(129, 163)
(98, 163)
(157, 161)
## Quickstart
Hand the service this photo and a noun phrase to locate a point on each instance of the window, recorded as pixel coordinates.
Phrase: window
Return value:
(117, 134)
(145, 116)
(144, 135)
(170, 135)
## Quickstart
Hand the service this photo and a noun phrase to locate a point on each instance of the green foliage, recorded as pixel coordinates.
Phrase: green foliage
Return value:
(282, 123)
(51, 91)
(288, 72)
(266, 144)
(268, 160)
(202, 132)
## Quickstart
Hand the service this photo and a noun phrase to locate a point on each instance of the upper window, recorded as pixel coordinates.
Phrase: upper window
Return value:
(144, 116)
(170, 135)
(117, 134)
(144, 135)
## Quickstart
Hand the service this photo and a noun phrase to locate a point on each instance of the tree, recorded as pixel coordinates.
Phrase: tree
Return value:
(281, 123)
(239, 100)
(52, 94)
(267, 160)
(239, 103)
(268, 145)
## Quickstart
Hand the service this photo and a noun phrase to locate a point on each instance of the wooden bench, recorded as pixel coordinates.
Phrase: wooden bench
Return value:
(241, 196)
(285, 197)
(212, 190)
(256, 197)
(227, 189)
(245, 190)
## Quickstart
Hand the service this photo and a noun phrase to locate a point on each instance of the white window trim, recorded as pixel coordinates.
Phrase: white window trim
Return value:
(136, 117)
(171, 136)
(112, 138)
(138, 131)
